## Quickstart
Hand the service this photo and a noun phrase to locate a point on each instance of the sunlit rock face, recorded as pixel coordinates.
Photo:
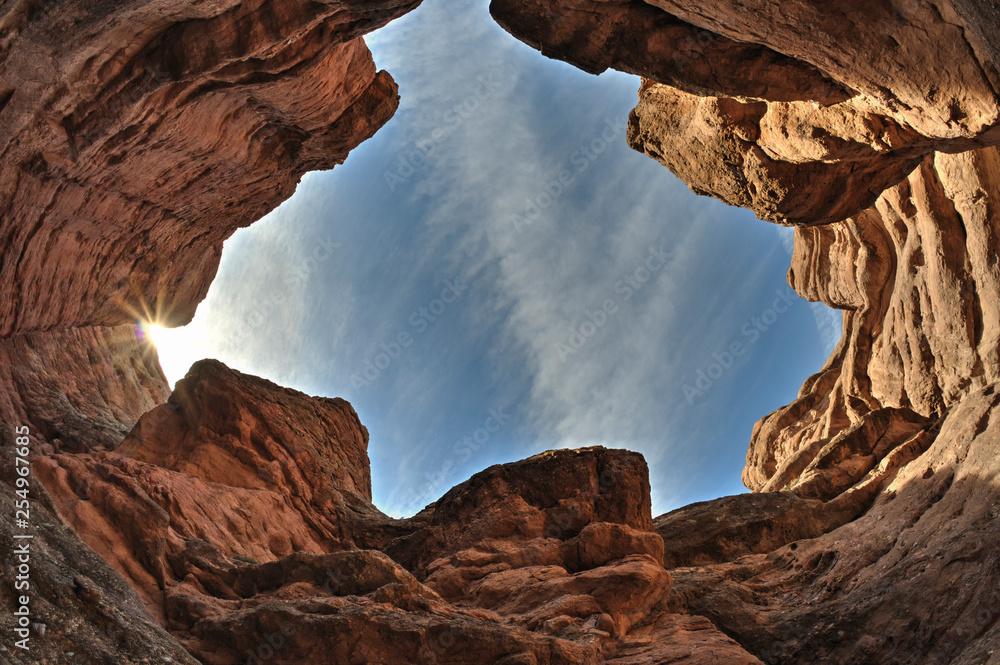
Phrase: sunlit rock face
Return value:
(231, 520)
(136, 139)
(133, 141)
(106, 379)
(916, 276)
(803, 112)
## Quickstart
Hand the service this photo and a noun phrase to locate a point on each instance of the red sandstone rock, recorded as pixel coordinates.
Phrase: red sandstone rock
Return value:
(756, 154)
(682, 640)
(134, 139)
(80, 388)
(918, 557)
(892, 52)
(876, 554)
(728, 528)
(757, 115)
(118, 128)
(252, 469)
(916, 278)
(636, 37)
(80, 602)
(239, 504)
(550, 496)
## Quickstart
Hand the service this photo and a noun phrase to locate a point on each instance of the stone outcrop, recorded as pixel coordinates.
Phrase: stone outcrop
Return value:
(913, 580)
(870, 100)
(876, 488)
(732, 527)
(81, 610)
(916, 277)
(238, 508)
(106, 379)
(638, 38)
(133, 141)
(257, 471)
(791, 163)
(136, 140)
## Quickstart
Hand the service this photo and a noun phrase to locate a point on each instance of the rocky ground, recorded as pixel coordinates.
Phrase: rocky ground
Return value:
(231, 522)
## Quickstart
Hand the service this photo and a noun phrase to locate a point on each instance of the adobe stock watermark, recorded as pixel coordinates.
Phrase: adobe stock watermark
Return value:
(462, 451)
(21, 551)
(751, 331)
(415, 157)
(625, 288)
(420, 320)
(580, 160)
(294, 278)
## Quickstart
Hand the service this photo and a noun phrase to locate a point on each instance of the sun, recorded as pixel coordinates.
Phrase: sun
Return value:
(151, 331)
(173, 347)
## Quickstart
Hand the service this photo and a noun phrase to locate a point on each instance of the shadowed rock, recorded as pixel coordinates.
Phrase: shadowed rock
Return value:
(726, 529)
(134, 138)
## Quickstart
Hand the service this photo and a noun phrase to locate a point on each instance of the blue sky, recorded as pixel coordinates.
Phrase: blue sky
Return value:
(496, 273)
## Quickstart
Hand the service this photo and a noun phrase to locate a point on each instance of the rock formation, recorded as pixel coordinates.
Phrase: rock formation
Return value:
(868, 540)
(239, 508)
(803, 112)
(134, 139)
(230, 521)
(132, 150)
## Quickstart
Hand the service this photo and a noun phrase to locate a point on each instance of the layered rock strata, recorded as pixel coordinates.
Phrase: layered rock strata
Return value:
(136, 139)
(803, 112)
(240, 510)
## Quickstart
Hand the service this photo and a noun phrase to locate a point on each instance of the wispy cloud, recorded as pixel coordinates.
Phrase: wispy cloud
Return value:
(490, 135)
(583, 240)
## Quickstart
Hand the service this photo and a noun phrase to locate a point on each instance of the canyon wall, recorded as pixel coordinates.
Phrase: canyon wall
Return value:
(230, 521)
(240, 512)
(134, 139)
(872, 538)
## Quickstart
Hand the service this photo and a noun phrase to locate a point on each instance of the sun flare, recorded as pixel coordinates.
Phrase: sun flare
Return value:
(155, 332)
(173, 347)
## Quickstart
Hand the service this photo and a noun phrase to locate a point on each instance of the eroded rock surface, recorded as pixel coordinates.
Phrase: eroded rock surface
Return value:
(106, 379)
(255, 470)
(241, 510)
(852, 593)
(803, 112)
(792, 163)
(134, 138)
(917, 279)
(877, 486)
(81, 610)
(638, 38)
